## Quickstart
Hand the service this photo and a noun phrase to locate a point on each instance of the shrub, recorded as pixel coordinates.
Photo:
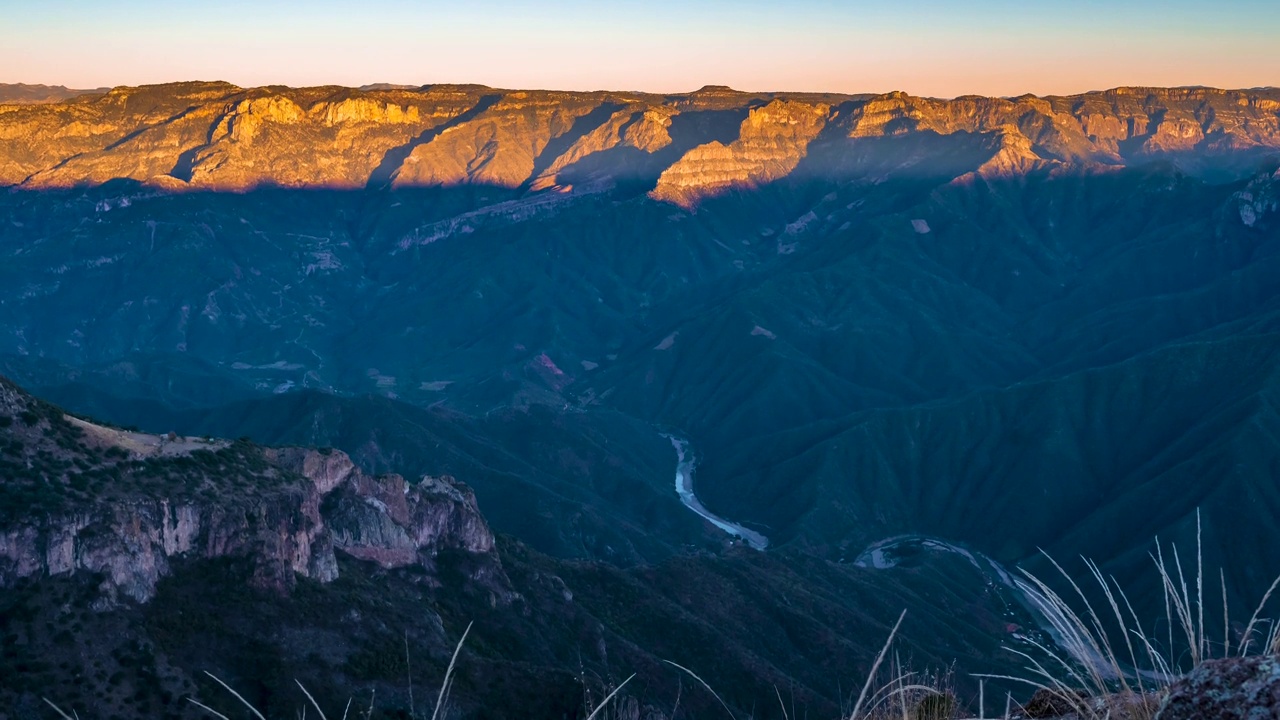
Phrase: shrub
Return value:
(935, 707)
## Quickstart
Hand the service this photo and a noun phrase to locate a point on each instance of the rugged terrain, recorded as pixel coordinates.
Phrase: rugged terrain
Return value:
(1009, 323)
(132, 564)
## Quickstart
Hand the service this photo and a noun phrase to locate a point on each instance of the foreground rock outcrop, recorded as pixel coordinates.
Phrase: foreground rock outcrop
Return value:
(1227, 689)
(124, 505)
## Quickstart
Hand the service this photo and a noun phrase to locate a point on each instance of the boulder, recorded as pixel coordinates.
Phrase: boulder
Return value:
(1227, 689)
(1053, 704)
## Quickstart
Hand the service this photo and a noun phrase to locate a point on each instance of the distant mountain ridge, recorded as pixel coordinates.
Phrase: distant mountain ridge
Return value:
(23, 94)
(683, 148)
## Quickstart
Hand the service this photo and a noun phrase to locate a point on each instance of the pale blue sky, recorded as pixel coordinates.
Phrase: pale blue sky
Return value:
(927, 47)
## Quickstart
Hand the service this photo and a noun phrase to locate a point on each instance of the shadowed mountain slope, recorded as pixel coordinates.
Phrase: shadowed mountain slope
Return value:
(1009, 323)
(131, 565)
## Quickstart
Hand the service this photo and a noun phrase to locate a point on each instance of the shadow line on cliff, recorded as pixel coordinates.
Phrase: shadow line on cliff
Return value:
(583, 126)
(395, 157)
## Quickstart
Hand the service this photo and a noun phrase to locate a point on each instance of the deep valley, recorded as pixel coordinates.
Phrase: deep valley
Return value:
(1014, 325)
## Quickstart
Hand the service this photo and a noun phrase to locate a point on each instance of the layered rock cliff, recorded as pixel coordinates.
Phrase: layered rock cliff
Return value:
(771, 142)
(222, 137)
(80, 497)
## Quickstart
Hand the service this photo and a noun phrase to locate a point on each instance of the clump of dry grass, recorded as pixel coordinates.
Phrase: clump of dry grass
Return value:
(1122, 672)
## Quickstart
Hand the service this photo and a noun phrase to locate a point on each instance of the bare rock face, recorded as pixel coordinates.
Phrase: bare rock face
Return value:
(216, 136)
(327, 470)
(635, 127)
(366, 110)
(284, 531)
(771, 142)
(1259, 201)
(286, 510)
(1013, 155)
(249, 117)
(499, 147)
(395, 524)
(131, 544)
(300, 141)
(1227, 689)
(1174, 134)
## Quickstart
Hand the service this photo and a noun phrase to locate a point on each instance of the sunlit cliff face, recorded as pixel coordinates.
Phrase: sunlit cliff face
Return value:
(682, 148)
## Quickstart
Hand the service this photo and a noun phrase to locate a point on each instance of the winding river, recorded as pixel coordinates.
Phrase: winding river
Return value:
(881, 556)
(684, 488)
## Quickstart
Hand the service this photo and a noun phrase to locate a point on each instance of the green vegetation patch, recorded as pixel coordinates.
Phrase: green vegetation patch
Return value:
(49, 466)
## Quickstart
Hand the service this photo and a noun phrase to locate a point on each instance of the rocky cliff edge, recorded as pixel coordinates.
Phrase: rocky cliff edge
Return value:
(82, 497)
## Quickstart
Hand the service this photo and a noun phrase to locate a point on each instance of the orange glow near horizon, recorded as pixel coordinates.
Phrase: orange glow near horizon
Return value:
(931, 48)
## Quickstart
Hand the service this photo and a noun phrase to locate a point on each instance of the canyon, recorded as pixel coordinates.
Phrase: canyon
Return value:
(1005, 324)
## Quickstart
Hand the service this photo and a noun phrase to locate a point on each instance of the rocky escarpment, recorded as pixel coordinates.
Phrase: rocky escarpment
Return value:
(284, 510)
(218, 136)
(132, 545)
(1259, 201)
(394, 524)
(771, 142)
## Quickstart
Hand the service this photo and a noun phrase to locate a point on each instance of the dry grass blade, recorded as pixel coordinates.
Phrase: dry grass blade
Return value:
(314, 704)
(204, 707)
(714, 694)
(448, 675)
(408, 672)
(1185, 608)
(1057, 689)
(781, 704)
(876, 666)
(1253, 620)
(609, 697)
(1200, 586)
(1168, 607)
(1226, 620)
(1158, 663)
(56, 709)
(252, 709)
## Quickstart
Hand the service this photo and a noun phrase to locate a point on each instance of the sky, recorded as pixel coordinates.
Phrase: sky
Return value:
(925, 47)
